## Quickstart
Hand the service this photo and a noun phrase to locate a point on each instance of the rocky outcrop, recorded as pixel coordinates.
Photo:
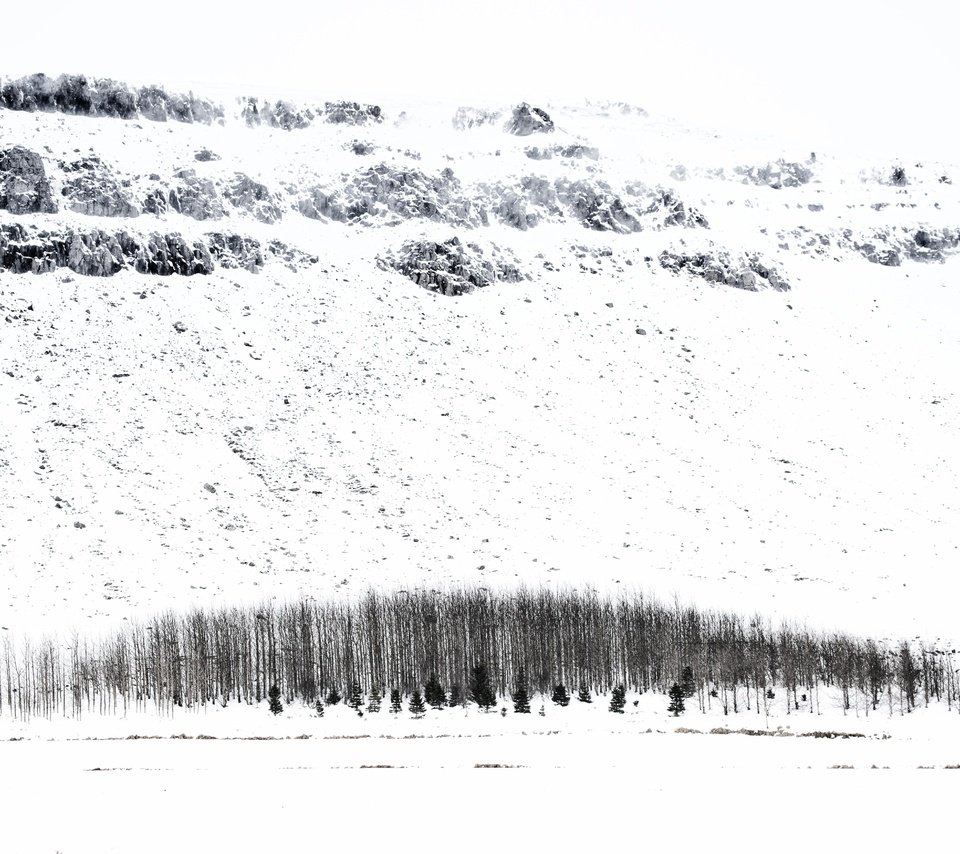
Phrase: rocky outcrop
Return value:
(392, 194)
(451, 268)
(256, 199)
(471, 117)
(90, 96)
(666, 209)
(747, 273)
(776, 175)
(575, 151)
(932, 245)
(351, 113)
(526, 120)
(524, 205)
(195, 197)
(205, 155)
(280, 114)
(92, 189)
(597, 207)
(23, 182)
(102, 253)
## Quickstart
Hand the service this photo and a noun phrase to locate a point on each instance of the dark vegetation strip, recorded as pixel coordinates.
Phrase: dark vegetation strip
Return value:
(451, 641)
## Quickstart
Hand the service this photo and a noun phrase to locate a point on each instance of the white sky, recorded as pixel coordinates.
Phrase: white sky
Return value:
(848, 69)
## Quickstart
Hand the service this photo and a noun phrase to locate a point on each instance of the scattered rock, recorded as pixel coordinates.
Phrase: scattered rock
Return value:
(471, 117)
(92, 190)
(180, 326)
(255, 198)
(748, 273)
(195, 197)
(23, 182)
(526, 120)
(205, 155)
(451, 268)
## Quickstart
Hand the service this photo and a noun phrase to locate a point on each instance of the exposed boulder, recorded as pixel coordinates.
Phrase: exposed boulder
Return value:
(23, 182)
(255, 198)
(526, 120)
(392, 194)
(195, 197)
(932, 245)
(471, 117)
(451, 268)
(90, 96)
(92, 189)
(205, 155)
(597, 206)
(361, 149)
(351, 113)
(776, 175)
(747, 273)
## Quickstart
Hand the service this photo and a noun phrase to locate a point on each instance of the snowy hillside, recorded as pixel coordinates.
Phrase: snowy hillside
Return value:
(259, 349)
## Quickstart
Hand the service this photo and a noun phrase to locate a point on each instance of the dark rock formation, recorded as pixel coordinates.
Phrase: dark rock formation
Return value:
(232, 251)
(451, 268)
(280, 114)
(392, 194)
(92, 189)
(776, 175)
(80, 95)
(748, 274)
(205, 155)
(362, 149)
(527, 120)
(525, 205)
(155, 203)
(575, 151)
(293, 258)
(23, 182)
(671, 210)
(256, 199)
(195, 197)
(470, 117)
(597, 206)
(932, 245)
(351, 113)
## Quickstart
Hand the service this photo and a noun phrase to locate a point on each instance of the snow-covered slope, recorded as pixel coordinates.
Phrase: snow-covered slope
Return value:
(705, 366)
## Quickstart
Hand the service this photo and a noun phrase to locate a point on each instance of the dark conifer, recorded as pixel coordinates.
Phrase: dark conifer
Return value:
(521, 699)
(319, 708)
(456, 695)
(560, 695)
(583, 694)
(481, 691)
(333, 697)
(687, 685)
(355, 697)
(275, 705)
(396, 701)
(618, 700)
(433, 692)
(376, 697)
(417, 706)
(676, 700)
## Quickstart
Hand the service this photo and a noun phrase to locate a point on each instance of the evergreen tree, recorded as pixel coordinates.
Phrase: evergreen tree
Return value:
(583, 694)
(373, 707)
(275, 705)
(433, 692)
(417, 706)
(560, 695)
(396, 701)
(456, 695)
(319, 708)
(521, 699)
(676, 700)
(333, 697)
(355, 697)
(687, 685)
(481, 691)
(618, 700)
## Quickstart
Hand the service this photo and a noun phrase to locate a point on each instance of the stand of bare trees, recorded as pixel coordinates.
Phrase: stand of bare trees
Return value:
(392, 640)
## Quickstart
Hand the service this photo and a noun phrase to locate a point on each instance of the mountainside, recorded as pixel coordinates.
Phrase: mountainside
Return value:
(266, 349)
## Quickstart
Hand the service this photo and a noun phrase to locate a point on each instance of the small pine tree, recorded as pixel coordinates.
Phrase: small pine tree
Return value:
(521, 699)
(560, 695)
(319, 708)
(433, 692)
(687, 684)
(676, 700)
(456, 696)
(355, 697)
(583, 694)
(481, 691)
(376, 698)
(618, 700)
(770, 694)
(417, 707)
(396, 701)
(275, 705)
(333, 697)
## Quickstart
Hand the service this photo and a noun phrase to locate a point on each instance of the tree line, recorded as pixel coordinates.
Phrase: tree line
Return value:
(405, 640)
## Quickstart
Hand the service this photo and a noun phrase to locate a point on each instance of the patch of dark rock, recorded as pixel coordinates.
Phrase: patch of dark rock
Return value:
(776, 175)
(597, 206)
(205, 155)
(232, 251)
(351, 113)
(255, 198)
(361, 149)
(93, 190)
(451, 267)
(90, 96)
(23, 182)
(293, 258)
(195, 197)
(279, 114)
(471, 117)
(575, 152)
(527, 120)
(748, 273)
